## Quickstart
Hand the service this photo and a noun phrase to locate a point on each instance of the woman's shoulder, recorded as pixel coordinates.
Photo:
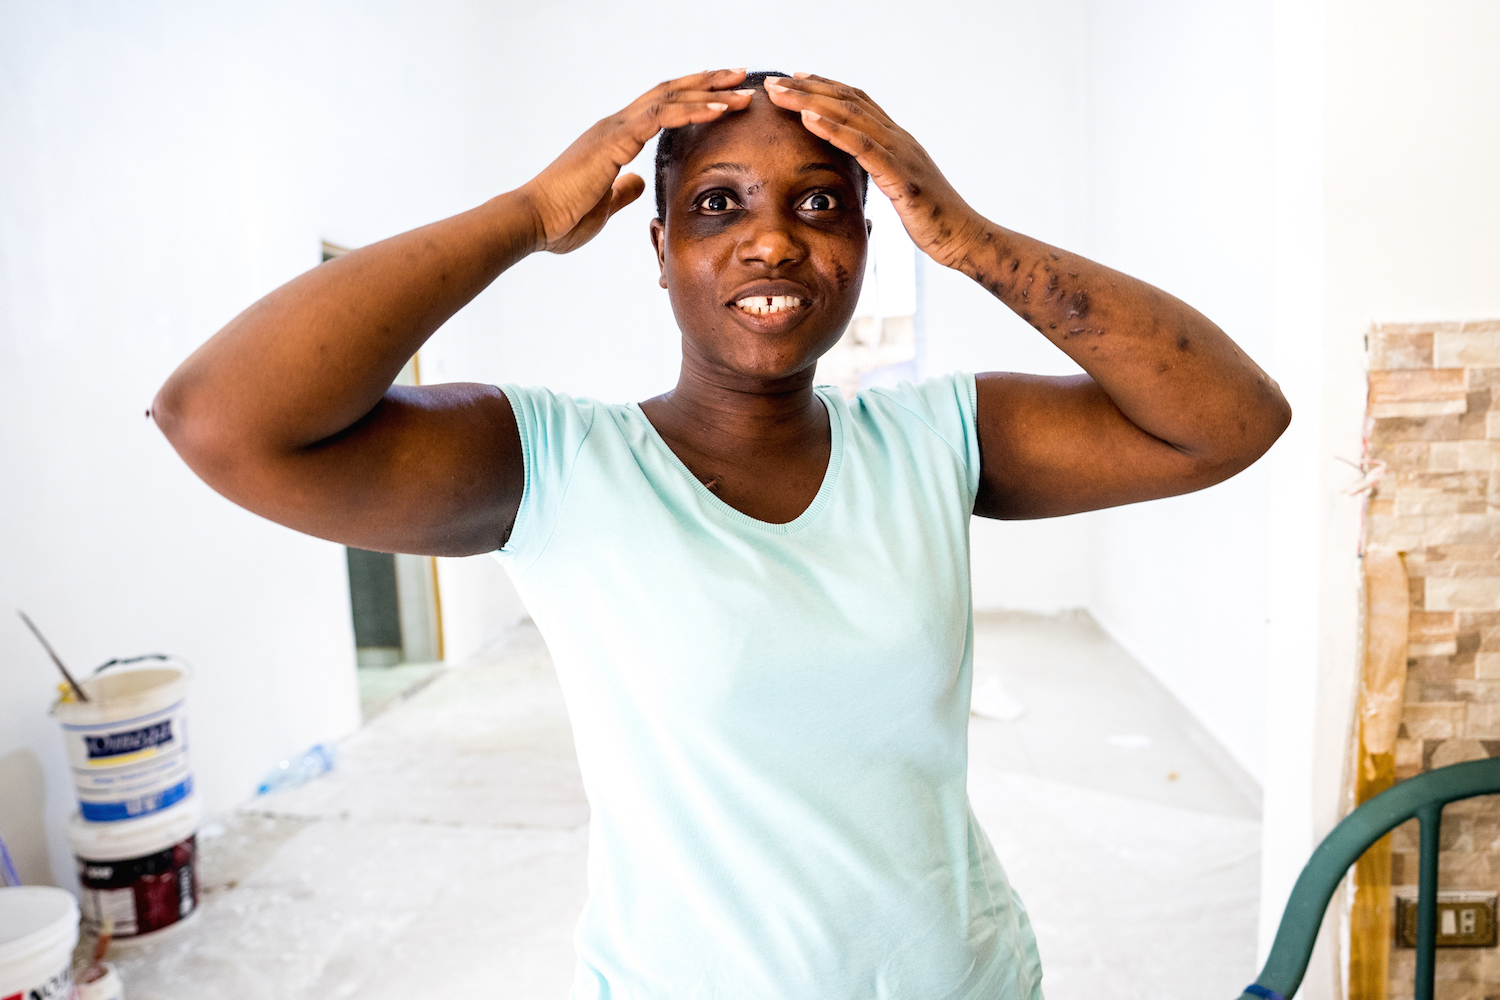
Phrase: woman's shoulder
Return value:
(553, 419)
(943, 403)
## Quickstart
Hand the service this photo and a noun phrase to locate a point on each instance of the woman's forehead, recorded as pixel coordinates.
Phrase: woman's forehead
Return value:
(764, 142)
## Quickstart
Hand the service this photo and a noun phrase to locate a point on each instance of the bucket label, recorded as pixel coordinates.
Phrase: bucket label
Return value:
(59, 987)
(135, 805)
(130, 767)
(134, 741)
(142, 894)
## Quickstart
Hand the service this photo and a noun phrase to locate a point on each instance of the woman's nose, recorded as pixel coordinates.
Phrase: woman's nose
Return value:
(771, 243)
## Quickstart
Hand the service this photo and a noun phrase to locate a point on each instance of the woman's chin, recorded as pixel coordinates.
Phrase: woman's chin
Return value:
(771, 366)
(773, 359)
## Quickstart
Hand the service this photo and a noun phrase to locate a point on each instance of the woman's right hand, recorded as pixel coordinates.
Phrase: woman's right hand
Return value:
(578, 192)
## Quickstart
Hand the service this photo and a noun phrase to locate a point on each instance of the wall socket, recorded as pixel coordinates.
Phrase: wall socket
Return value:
(1464, 920)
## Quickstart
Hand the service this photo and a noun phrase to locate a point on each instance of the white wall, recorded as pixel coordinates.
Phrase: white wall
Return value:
(1393, 134)
(1179, 156)
(167, 163)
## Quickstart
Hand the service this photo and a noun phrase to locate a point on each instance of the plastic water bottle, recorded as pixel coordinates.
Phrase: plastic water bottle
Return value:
(315, 761)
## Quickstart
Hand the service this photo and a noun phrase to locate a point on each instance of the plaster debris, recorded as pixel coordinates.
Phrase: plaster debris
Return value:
(992, 701)
(446, 854)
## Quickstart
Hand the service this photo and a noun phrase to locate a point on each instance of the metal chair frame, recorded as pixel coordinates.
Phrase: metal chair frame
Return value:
(1423, 797)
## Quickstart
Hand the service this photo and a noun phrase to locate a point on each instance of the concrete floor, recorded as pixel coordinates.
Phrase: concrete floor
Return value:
(445, 855)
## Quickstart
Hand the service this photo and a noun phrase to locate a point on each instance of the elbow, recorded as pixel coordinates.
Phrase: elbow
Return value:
(178, 419)
(189, 426)
(166, 412)
(1259, 428)
(1244, 439)
(1278, 415)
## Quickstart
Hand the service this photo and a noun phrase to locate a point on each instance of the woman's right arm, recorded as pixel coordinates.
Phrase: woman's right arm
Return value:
(290, 411)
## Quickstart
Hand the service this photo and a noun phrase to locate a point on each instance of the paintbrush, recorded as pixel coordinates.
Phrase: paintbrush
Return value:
(95, 970)
(55, 658)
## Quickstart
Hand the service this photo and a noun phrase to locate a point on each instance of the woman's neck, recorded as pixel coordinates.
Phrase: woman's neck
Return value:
(723, 413)
(762, 446)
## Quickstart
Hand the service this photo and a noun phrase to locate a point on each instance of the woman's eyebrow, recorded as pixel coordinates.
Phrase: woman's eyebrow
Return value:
(732, 168)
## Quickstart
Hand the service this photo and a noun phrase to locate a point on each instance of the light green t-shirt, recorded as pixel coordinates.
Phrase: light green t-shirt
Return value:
(771, 719)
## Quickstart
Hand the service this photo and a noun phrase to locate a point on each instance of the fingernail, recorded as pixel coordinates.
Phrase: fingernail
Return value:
(746, 93)
(775, 86)
(811, 116)
(739, 70)
(801, 76)
(719, 107)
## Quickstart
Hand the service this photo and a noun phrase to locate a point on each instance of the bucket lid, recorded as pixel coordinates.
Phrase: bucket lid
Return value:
(35, 919)
(126, 839)
(120, 694)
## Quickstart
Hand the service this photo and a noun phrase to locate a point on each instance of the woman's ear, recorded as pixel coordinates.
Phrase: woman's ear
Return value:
(869, 225)
(659, 244)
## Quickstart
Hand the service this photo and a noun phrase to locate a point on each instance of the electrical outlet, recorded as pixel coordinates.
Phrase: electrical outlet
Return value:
(1464, 920)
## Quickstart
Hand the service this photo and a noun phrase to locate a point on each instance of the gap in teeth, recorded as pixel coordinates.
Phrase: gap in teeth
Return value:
(760, 305)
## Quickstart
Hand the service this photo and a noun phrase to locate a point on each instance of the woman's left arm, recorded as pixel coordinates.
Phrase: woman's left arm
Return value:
(1169, 403)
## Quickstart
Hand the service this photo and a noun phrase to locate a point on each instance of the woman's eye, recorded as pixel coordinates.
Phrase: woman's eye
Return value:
(822, 201)
(716, 201)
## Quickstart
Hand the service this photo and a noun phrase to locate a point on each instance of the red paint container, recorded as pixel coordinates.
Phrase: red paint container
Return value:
(140, 873)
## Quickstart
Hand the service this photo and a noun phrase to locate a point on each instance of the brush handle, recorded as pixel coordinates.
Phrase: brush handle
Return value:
(55, 659)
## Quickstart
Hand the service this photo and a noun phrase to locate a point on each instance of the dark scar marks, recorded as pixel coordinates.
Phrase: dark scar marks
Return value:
(1078, 305)
(841, 275)
(912, 190)
(1182, 342)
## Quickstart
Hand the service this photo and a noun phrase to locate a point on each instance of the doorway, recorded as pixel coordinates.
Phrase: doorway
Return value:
(393, 597)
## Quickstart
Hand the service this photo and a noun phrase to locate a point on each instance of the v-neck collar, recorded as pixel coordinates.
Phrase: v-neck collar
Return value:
(734, 514)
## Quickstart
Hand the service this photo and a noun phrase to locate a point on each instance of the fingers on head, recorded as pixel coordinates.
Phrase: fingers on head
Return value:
(856, 142)
(846, 114)
(660, 115)
(713, 79)
(625, 184)
(627, 189)
(856, 101)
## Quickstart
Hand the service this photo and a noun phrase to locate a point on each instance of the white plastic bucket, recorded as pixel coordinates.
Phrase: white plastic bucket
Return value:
(140, 873)
(107, 987)
(38, 932)
(128, 745)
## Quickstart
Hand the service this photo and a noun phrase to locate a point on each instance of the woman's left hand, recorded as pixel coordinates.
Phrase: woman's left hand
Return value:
(939, 221)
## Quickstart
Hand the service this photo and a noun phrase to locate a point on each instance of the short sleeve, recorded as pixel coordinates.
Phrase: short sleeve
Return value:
(947, 405)
(553, 429)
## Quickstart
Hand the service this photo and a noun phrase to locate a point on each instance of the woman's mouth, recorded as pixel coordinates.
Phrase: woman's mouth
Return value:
(767, 305)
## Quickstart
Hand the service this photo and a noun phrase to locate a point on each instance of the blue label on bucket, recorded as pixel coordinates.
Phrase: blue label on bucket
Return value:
(144, 805)
(133, 741)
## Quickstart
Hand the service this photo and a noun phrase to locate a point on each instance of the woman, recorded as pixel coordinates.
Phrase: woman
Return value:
(756, 594)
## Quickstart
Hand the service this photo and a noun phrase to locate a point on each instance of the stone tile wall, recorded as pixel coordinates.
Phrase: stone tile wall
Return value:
(1435, 409)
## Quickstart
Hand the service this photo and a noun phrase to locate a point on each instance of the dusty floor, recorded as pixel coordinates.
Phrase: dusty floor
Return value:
(445, 856)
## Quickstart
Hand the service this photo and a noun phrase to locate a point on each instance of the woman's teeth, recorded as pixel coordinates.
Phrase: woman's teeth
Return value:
(761, 305)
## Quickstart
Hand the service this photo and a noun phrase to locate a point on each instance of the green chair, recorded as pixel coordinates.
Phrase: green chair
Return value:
(1423, 797)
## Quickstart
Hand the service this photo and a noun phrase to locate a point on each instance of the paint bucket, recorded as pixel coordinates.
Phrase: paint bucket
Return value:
(127, 745)
(140, 873)
(38, 932)
(108, 986)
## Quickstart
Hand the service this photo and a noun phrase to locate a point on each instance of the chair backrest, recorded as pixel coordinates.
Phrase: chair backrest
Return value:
(1422, 797)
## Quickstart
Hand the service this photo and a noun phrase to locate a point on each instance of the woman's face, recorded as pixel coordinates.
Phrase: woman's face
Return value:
(763, 247)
